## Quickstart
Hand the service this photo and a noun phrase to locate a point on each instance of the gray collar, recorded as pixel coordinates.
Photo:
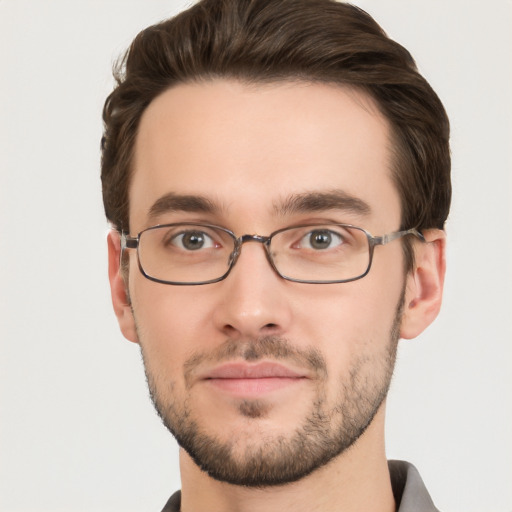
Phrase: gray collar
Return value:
(410, 492)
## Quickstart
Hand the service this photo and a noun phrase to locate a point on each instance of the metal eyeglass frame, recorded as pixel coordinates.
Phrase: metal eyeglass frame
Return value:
(129, 242)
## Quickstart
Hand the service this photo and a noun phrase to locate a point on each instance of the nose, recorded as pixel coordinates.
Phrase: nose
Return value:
(253, 300)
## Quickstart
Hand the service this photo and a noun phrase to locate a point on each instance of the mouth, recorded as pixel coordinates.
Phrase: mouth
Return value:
(252, 380)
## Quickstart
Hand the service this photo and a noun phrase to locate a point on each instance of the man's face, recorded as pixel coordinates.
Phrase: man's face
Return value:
(261, 379)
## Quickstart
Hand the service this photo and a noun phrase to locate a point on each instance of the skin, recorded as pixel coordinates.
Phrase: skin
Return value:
(247, 149)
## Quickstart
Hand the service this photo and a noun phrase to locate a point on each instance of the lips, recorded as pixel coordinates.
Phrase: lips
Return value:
(244, 379)
(248, 371)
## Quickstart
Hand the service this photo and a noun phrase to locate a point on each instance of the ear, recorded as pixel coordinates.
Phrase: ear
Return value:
(118, 289)
(424, 284)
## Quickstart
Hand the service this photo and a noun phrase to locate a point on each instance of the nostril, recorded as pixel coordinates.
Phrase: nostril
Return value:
(229, 329)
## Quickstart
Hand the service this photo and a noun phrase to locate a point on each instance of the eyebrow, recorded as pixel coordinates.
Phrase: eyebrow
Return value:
(307, 202)
(321, 201)
(172, 202)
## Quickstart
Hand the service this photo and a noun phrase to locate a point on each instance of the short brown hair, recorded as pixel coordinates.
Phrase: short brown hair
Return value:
(277, 40)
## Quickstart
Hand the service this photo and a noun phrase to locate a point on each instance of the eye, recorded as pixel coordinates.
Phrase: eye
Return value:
(321, 239)
(193, 240)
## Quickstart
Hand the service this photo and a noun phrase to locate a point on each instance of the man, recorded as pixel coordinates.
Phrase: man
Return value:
(277, 176)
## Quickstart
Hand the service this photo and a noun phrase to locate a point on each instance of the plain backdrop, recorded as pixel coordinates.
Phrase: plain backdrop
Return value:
(77, 430)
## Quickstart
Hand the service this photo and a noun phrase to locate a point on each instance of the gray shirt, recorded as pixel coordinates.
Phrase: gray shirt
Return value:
(410, 492)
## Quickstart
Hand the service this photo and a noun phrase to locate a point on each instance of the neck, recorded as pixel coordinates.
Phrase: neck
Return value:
(355, 481)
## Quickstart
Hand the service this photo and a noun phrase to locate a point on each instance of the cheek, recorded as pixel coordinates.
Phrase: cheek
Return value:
(350, 320)
(170, 323)
(353, 308)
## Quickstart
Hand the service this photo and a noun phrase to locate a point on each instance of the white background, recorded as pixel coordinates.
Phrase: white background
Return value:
(77, 431)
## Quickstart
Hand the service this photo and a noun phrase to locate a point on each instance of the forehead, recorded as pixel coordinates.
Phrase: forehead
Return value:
(247, 148)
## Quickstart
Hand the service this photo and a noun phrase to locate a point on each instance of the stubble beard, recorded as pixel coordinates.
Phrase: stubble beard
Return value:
(268, 459)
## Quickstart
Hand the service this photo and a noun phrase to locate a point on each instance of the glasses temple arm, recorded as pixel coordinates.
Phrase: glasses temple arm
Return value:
(128, 242)
(385, 239)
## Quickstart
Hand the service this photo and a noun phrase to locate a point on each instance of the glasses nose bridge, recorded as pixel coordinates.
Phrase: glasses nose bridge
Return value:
(265, 240)
(252, 238)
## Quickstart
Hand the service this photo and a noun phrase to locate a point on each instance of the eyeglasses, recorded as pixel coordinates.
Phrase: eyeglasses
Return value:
(194, 254)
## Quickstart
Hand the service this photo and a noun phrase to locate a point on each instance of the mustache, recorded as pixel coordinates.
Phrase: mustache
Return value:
(266, 347)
